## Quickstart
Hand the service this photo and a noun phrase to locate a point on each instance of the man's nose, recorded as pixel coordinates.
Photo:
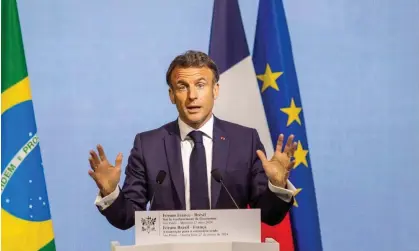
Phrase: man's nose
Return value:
(193, 93)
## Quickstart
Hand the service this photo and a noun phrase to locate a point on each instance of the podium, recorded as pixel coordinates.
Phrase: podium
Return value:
(198, 230)
(205, 246)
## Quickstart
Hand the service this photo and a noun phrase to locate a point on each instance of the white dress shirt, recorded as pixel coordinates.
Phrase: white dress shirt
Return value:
(186, 146)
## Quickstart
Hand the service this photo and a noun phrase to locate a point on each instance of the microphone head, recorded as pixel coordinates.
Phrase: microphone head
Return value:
(160, 177)
(216, 175)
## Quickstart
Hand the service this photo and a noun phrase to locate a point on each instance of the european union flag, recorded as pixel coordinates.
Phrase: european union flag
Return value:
(275, 70)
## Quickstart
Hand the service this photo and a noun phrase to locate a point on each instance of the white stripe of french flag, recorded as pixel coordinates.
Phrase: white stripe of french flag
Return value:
(239, 98)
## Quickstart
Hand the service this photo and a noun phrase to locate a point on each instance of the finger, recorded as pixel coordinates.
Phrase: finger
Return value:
(291, 165)
(294, 147)
(288, 146)
(101, 153)
(92, 164)
(279, 143)
(93, 175)
(95, 158)
(95, 179)
(118, 160)
(261, 156)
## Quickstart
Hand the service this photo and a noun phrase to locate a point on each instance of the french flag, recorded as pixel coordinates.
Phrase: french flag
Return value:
(239, 99)
(261, 91)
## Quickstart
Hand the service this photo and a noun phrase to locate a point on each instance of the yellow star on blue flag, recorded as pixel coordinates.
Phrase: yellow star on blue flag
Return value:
(269, 78)
(293, 113)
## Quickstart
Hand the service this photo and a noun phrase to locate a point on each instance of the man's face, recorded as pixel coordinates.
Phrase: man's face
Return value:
(193, 91)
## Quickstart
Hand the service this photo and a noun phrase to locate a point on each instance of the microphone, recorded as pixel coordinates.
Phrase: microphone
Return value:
(159, 179)
(217, 177)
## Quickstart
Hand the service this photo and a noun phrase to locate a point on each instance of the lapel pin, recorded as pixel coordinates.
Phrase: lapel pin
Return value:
(222, 138)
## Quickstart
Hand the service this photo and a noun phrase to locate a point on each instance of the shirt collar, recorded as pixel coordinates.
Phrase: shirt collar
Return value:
(207, 128)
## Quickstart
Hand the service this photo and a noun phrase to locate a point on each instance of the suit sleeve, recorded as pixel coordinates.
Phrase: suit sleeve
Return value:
(133, 195)
(273, 208)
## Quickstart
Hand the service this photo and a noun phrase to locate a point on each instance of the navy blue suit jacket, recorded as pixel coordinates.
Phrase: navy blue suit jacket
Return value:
(234, 154)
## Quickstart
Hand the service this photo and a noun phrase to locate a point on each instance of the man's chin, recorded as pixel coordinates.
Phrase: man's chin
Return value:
(195, 120)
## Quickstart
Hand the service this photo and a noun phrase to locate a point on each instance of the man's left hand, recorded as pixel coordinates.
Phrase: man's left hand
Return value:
(278, 168)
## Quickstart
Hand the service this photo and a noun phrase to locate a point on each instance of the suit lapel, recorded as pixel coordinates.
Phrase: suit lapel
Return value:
(174, 159)
(219, 158)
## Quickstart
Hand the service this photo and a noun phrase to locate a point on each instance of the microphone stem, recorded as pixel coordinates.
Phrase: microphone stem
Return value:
(151, 202)
(231, 197)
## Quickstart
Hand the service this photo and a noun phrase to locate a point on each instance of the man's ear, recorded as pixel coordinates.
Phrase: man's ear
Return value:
(171, 95)
(215, 90)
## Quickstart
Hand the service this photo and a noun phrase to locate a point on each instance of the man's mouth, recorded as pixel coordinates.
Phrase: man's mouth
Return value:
(193, 108)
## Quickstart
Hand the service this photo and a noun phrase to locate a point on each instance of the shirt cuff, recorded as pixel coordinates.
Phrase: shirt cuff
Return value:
(282, 193)
(105, 202)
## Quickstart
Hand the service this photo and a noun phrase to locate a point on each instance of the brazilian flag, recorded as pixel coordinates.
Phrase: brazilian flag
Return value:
(26, 223)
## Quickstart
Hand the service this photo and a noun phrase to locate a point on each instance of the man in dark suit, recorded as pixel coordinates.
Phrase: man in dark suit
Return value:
(188, 149)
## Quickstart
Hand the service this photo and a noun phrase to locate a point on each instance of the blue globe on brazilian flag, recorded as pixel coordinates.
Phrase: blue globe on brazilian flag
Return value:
(26, 223)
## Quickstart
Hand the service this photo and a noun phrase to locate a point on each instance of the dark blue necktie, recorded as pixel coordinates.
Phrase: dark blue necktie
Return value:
(198, 174)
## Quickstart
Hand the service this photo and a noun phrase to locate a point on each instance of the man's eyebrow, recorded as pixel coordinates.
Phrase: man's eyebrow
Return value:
(202, 78)
(180, 81)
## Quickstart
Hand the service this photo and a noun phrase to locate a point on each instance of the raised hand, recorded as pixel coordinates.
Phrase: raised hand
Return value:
(277, 169)
(103, 173)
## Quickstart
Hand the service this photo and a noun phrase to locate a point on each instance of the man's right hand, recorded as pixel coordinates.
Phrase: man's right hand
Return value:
(103, 173)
